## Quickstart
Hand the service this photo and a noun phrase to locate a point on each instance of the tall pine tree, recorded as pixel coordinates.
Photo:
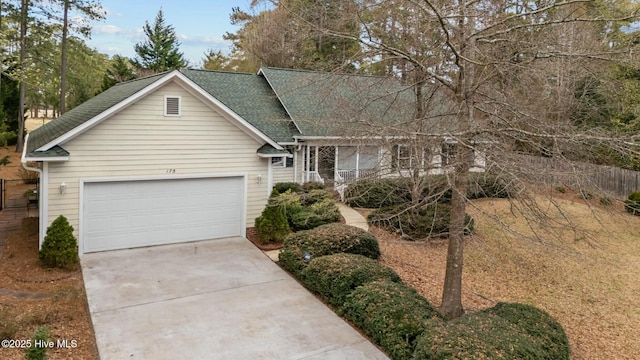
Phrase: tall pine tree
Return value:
(160, 51)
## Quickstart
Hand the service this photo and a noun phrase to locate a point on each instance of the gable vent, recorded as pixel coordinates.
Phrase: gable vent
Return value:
(172, 105)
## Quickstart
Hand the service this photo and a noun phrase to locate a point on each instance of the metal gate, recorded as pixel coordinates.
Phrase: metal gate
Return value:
(15, 193)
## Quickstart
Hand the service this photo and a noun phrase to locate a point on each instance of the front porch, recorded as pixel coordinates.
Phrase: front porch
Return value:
(340, 165)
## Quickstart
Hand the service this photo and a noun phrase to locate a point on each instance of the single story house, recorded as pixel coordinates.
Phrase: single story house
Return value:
(192, 154)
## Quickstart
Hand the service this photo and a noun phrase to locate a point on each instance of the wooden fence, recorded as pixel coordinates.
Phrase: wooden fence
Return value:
(615, 182)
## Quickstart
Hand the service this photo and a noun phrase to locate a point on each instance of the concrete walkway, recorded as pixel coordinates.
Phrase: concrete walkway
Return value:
(351, 217)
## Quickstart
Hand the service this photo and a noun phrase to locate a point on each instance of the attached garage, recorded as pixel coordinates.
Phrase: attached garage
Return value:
(134, 213)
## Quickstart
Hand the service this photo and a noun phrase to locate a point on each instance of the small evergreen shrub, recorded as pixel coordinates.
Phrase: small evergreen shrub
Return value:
(60, 247)
(632, 204)
(272, 226)
(538, 324)
(326, 240)
(392, 314)
(312, 185)
(320, 213)
(336, 276)
(34, 352)
(282, 187)
(429, 221)
(560, 189)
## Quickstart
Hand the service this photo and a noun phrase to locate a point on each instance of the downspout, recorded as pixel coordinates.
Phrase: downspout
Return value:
(23, 161)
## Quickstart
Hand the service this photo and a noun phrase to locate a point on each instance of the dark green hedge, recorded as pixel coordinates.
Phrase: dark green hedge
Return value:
(434, 189)
(507, 331)
(326, 240)
(392, 314)
(429, 221)
(336, 276)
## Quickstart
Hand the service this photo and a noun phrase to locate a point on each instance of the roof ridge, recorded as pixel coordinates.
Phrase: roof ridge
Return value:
(218, 71)
(160, 74)
(328, 72)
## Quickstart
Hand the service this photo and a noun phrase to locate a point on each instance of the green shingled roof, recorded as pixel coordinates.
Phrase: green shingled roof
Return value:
(268, 150)
(280, 103)
(86, 111)
(327, 104)
(249, 96)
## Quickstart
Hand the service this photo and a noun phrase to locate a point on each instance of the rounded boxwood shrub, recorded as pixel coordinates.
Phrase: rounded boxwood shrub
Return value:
(429, 221)
(272, 226)
(392, 314)
(506, 331)
(60, 247)
(537, 323)
(336, 276)
(478, 335)
(326, 240)
(632, 204)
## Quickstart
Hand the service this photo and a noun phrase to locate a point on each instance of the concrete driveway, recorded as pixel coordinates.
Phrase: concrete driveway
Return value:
(218, 299)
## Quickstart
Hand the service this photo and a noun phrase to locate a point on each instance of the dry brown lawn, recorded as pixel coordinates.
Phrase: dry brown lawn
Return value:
(588, 280)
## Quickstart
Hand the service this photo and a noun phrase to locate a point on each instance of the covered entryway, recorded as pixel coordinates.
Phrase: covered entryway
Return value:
(129, 214)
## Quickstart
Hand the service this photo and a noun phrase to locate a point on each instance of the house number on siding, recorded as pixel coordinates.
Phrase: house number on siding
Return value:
(171, 171)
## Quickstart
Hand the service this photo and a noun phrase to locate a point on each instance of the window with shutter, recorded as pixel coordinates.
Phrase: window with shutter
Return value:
(172, 106)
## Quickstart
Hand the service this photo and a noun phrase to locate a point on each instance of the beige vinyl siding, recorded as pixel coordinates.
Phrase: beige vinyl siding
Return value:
(282, 174)
(140, 141)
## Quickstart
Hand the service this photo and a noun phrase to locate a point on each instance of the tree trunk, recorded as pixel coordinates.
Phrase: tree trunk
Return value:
(451, 307)
(63, 59)
(24, 11)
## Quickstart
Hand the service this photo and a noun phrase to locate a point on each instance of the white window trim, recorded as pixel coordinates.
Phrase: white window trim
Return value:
(179, 105)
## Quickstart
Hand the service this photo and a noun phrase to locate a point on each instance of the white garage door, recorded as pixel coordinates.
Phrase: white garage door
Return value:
(127, 214)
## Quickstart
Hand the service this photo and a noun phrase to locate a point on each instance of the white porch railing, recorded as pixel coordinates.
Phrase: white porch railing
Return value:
(314, 176)
(351, 175)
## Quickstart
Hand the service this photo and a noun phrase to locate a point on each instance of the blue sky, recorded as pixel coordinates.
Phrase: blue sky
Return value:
(199, 25)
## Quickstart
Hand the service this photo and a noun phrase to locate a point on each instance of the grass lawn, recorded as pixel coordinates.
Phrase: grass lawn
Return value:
(588, 280)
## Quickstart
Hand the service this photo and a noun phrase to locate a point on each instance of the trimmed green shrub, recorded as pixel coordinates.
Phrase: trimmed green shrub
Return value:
(272, 226)
(34, 352)
(336, 276)
(326, 240)
(60, 247)
(320, 213)
(429, 221)
(282, 187)
(377, 193)
(312, 185)
(392, 314)
(632, 204)
(537, 323)
(506, 331)
(478, 335)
